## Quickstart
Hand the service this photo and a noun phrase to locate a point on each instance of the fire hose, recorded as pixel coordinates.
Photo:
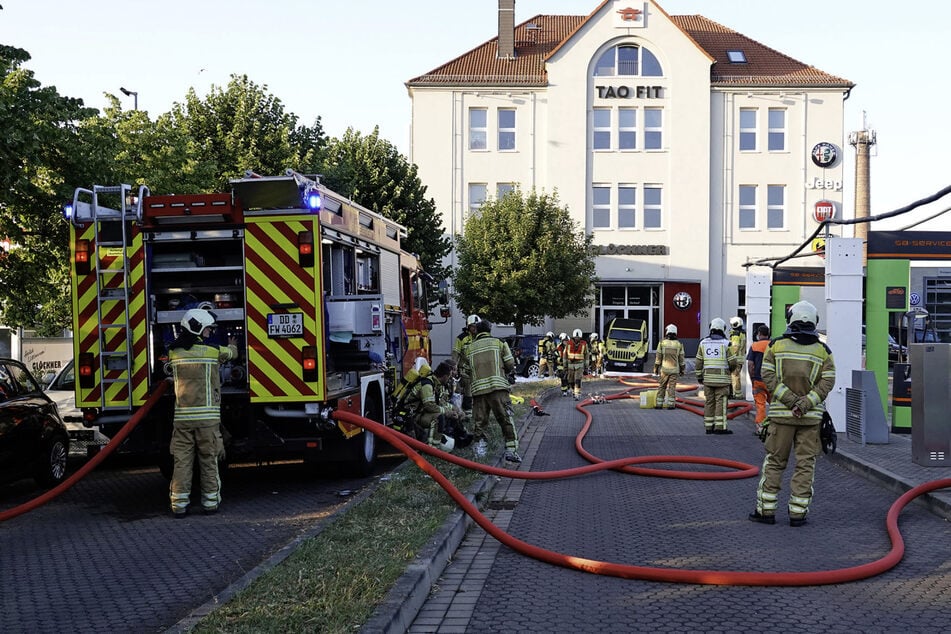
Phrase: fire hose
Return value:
(409, 447)
(66, 484)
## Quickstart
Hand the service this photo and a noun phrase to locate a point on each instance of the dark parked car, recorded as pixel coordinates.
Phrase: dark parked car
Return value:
(33, 438)
(525, 350)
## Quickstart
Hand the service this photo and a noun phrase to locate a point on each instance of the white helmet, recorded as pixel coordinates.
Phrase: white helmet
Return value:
(593, 336)
(718, 324)
(804, 312)
(736, 322)
(197, 319)
(472, 320)
(446, 443)
(576, 333)
(550, 334)
(563, 336)
(670, 329)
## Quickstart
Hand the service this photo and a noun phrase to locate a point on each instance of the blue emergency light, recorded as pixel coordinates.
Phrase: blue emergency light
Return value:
(312, 199)
(68, 211)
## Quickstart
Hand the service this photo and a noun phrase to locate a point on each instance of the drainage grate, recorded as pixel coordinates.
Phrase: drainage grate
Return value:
(502, 505)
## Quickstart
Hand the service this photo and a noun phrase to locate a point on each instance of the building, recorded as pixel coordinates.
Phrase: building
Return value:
(686, 148)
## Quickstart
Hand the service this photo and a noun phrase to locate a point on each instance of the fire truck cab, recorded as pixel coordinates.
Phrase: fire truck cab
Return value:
(326, 307)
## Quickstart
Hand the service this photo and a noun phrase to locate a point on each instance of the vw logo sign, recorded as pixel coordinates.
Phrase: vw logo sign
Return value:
(824, 154)
(682, 300)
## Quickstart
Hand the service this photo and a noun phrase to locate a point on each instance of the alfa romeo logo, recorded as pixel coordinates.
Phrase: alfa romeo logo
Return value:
(824, 154)
(682, 300)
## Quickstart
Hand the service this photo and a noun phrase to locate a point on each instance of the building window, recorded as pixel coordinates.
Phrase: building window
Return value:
(506, 128)
(747, 129)
(601, 207)
(747, 207)
(736, 57)
(626, 61)
(653, 128)
(501, 189)
(626, 207)
(627, 128)
(477, 195)
(602, 129)
(653, 207)
(478, 128)
(775, 206)
(776, 138)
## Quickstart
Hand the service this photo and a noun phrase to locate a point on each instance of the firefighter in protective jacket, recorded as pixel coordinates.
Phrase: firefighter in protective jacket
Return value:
(799, 372)
(715, 364)
(440, 420)
(669, 364)
(576, 356)
(737, 347)
(196, 429)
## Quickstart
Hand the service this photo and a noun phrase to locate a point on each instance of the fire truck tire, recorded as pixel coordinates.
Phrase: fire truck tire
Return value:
(51, 464)
(363, 445)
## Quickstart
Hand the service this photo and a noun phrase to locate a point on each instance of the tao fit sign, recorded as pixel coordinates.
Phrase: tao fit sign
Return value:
(823, 210)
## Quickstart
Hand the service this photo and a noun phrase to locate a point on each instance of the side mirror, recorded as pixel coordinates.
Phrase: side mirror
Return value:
(443, 297)
(444, 312)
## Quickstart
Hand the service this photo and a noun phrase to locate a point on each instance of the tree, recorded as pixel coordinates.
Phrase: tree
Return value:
(42, 156)
(239, 128)
(522, 259)
(371, 172)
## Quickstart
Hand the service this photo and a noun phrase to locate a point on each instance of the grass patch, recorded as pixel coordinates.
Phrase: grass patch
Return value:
(333, 582)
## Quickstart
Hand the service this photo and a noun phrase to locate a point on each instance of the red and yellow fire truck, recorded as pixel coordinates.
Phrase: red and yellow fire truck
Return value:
(328, 311)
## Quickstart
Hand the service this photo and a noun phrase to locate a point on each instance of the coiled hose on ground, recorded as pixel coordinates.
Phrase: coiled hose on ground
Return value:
(409, 446)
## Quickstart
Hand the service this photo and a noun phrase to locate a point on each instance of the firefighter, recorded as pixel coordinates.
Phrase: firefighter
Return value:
(754, 366)
(546, 351)
(196, 428)
(668, 365)
(576, 354)
(596, 347)
(490, 360)
(715, 364)
(460, 358)
(737, 347)
(560, 359)
(799, 372)
(438, 418)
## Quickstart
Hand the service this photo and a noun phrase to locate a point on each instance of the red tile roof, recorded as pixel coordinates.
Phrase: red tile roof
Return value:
(538, 37)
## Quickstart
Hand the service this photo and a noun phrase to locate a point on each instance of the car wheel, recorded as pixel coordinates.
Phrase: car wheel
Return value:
(51, 466)
(532, 370)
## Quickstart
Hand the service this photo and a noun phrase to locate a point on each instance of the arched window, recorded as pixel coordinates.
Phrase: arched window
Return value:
(628, 60)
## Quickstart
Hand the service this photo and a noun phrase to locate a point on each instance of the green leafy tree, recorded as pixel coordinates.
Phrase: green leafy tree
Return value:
(372, 172)
(522, 259)
(238, 128)
(42, 156)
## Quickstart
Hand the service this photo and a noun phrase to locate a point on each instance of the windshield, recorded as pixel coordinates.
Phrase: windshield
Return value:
(625, 335)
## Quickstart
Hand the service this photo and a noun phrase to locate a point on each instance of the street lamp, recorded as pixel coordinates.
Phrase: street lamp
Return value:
(133, 94)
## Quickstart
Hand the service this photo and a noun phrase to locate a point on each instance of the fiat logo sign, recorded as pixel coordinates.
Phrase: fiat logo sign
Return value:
(824, 210)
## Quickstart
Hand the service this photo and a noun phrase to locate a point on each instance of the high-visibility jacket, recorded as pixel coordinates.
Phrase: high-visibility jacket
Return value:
(669, 358)
(459, 356)
(798, 373)
(198, 382)
(576, 353)
(738, 342)
(490, 361)
(714, 361)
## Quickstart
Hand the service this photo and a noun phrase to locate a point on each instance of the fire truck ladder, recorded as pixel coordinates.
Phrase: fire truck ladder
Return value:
(112, 281)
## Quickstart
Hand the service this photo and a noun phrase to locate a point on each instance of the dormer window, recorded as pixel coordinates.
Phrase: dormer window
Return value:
(736, 57)
(628, 60)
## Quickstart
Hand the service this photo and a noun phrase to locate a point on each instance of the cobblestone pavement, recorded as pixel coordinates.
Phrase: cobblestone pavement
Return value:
(106, 556)
(691, 524)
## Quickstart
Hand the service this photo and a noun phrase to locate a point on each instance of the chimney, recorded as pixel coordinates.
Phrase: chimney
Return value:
(506, 29)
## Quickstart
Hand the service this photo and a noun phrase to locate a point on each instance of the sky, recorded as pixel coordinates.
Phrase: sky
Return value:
(347, 62)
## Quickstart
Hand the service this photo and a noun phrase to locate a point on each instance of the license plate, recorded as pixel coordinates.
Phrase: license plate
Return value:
(282, 325)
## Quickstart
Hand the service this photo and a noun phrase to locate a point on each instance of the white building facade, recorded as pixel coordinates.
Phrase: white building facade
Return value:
(686, 149)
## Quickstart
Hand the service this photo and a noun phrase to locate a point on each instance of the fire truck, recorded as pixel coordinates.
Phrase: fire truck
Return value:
(328, 311)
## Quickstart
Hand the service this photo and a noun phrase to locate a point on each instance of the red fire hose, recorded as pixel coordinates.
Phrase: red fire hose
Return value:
(66, 484)
(628, 571)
